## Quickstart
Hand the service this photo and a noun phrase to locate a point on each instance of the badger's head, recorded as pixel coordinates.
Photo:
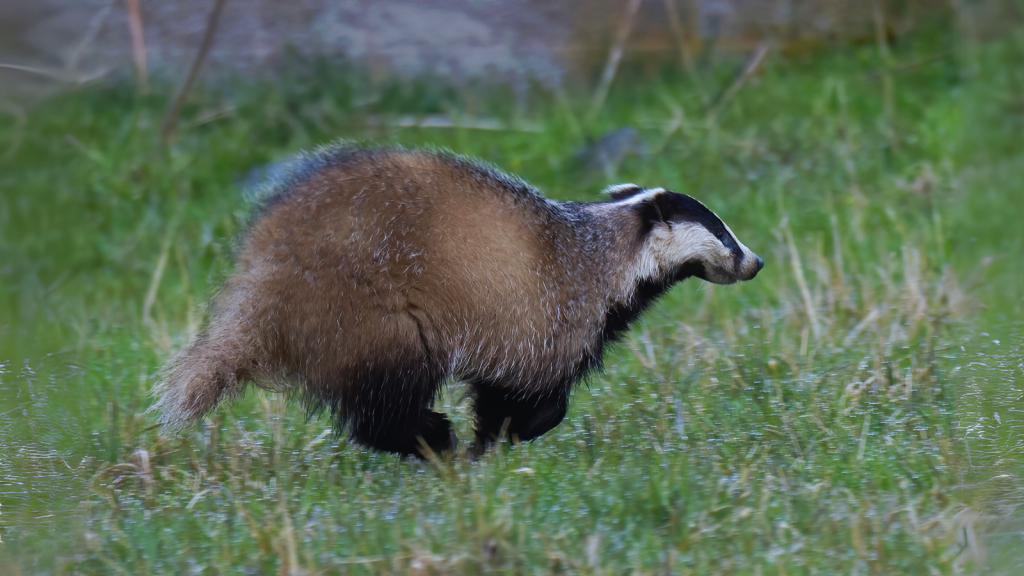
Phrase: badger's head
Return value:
(682, 238)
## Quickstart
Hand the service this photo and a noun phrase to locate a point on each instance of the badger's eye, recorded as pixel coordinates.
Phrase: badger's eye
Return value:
(726, 240)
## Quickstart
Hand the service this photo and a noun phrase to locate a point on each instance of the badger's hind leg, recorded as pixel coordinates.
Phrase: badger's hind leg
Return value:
(522, 416)
(389, 409)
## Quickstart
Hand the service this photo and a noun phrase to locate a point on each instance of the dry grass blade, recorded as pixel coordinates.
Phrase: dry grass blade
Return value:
(798, 274)
(154, 284)
(160, 336)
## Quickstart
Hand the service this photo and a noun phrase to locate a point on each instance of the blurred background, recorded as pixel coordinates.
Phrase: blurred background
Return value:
(856, 409)
(491, 41)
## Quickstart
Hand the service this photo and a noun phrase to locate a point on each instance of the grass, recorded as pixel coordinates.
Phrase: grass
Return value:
(836, 415)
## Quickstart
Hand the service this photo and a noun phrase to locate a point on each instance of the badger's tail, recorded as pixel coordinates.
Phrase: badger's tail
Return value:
(194, 382)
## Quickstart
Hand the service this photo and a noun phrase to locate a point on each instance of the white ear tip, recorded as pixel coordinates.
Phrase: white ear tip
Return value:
(620, 188)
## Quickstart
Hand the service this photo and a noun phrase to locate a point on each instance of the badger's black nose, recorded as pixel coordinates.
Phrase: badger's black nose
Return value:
(750, 271)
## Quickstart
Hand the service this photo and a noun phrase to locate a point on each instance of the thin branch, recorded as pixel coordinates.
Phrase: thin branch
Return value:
(171, 117)
(753, 63)
(614, 56)
(138, 44)
(95, 25)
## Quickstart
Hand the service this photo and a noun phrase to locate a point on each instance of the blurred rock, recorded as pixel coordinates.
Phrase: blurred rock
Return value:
(607, 153)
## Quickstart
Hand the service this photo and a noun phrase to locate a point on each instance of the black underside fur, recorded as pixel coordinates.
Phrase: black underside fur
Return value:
(389, 406)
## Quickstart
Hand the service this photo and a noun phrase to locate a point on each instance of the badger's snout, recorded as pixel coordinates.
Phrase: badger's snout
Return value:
(751, 265)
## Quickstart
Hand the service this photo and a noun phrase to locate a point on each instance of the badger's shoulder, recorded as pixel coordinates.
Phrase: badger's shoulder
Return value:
(484, 173)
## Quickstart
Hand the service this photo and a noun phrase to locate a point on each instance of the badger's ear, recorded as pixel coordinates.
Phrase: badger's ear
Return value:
(622, 191)
(653, 206)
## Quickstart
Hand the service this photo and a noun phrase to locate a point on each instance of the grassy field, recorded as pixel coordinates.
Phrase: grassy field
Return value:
(857, 409)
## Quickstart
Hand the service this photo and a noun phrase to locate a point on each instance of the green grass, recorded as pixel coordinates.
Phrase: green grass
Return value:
(836, 415)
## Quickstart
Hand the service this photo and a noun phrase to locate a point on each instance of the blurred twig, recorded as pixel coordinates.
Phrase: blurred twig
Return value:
(59, 75)
(171, 117)
(614, 57)
(753, 63)
(138, 44)
(875, 74)
(675, 23)
(95, 25)
(70, 72)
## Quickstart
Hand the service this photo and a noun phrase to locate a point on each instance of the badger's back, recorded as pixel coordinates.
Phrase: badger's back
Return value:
(386, 233)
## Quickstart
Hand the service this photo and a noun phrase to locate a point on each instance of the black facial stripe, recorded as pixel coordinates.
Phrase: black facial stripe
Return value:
(694, 211)
(729, 242)
(687, 209)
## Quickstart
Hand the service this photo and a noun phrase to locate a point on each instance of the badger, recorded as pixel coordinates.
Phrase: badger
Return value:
(371, 277)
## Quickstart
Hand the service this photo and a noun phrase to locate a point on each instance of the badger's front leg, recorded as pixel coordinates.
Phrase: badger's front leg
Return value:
(523, 417)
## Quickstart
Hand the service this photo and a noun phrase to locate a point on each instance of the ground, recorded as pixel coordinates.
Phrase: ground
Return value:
(855, 409)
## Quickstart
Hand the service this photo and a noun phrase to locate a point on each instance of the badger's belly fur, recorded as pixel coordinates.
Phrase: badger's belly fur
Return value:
(369, 278)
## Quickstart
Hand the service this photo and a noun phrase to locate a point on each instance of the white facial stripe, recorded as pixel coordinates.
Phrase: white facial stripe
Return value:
(667, 248)
(727, 229)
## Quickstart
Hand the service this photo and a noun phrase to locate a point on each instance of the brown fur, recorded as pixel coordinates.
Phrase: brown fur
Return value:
(372, 276)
